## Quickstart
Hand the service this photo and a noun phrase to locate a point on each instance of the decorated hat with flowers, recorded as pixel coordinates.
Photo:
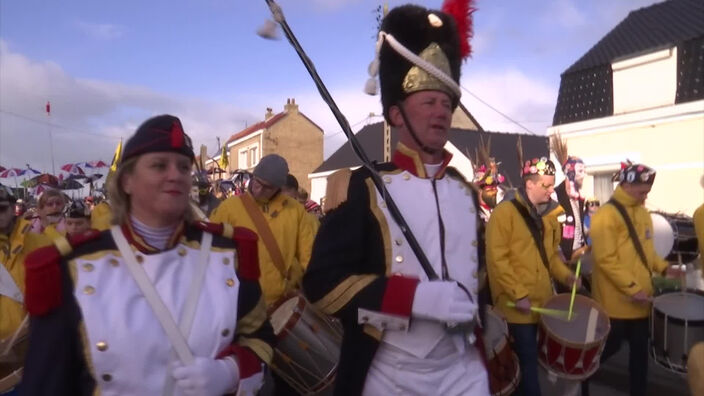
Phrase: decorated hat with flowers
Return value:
(635, 174)
(538, 166)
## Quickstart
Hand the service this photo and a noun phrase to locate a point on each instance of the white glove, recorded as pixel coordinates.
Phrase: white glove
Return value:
(207, 377)
(442, 301)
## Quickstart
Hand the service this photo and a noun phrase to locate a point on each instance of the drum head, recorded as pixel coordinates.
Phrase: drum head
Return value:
(283, 314)
(576, 330)
(663, 235)
(685, 306)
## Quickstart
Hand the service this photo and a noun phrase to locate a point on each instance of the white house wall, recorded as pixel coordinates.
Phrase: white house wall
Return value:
(635, 87)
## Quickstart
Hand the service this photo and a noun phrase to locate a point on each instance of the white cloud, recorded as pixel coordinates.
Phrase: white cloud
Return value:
(526, 100)
(101, 31)
(89, 116)
(566, 13)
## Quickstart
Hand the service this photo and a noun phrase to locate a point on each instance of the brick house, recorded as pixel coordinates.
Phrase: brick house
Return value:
(289, 134)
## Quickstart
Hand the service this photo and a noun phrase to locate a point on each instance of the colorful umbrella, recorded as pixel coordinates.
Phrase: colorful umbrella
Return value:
(2, 168)
(29, 169)
(73, 168)
(70, 184)
(95, 164)
(12, 172)
(44, 178)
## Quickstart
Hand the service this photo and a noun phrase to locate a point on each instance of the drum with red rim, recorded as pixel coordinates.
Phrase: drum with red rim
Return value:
(502, 363)
(571, 348)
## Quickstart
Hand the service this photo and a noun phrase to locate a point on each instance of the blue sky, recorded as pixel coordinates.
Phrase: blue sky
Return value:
(107, 66)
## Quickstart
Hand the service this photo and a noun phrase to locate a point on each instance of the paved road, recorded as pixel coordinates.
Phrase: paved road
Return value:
(612, 379)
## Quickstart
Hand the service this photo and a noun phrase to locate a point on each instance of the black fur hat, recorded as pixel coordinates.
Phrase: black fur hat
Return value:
(159, 134)
(430, 34)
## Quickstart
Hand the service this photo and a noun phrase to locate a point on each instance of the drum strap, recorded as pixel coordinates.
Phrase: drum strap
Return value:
(265, 233)
(176, 336)
(534, 231)
(631, 232)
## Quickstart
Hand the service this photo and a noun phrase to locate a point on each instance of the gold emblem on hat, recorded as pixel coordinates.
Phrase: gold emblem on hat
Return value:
(418, 79)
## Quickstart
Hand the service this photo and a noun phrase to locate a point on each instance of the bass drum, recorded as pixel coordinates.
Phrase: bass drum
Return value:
(674, 237)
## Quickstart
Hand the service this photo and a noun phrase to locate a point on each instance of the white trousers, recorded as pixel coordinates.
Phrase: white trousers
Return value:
(395, 372)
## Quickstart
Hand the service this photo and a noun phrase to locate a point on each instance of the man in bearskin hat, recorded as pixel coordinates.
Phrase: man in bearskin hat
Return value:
(522, 239)
(625, 261)
(403, 333)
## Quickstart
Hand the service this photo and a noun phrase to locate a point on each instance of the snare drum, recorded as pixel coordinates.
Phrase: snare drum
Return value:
(674, 237)
(503, 367)
(308, 347)
(676, 324)
(571, 349)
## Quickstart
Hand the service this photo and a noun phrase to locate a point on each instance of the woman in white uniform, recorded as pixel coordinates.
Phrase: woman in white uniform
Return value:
(159, 304)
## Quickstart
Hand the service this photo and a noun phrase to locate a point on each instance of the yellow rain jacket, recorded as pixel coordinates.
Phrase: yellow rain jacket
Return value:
(618, 271)
(699, 230)
(101, 216)
(513, 261)
(13, 249)
(294, 230)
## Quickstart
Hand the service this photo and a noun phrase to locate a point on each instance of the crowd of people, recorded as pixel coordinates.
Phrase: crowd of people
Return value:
(168, 286)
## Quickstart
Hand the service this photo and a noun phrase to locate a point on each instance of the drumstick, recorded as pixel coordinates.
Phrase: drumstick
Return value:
(557, 313)
(15, 335)
(574, 289)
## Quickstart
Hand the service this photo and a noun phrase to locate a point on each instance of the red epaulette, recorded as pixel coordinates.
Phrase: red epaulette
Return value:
(43, 273)
(247, 250)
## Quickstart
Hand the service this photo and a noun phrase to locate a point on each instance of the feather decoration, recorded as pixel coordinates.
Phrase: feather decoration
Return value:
(559, 147)
(519, 152)
(461, 11)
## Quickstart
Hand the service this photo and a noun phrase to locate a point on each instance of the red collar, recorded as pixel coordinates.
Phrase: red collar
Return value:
(409, 160)
(137, 241)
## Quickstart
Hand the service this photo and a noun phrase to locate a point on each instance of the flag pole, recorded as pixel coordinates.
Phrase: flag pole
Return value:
(51, 137)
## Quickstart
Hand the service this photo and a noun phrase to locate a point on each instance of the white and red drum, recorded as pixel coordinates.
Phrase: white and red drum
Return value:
(503, 367)
(571, 349)
(676, 324)
(308, 347)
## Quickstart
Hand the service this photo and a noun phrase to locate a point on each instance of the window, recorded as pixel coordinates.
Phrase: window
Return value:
(242, 160)
(603, 186)
(253, 157)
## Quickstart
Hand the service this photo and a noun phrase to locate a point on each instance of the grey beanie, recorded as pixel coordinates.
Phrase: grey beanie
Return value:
(272, 169)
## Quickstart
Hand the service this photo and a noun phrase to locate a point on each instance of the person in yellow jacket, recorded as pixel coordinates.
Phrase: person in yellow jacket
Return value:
(518, 274)
(293, 229)
(101, 216)
(15, 243)
(699, 227)
(621, 280)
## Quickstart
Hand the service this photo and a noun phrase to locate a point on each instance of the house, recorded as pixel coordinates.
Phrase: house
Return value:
(638, 94)
(289, 134)
(462, 144)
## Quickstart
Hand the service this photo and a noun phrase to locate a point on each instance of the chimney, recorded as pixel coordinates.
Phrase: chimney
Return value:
(291, 106)
(269, 113)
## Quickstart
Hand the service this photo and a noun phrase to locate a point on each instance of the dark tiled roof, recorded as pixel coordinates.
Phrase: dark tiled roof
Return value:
(503, 148)
(664, 24)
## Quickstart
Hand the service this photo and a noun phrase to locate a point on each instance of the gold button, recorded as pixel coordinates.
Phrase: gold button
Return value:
(226, 332)
(387, 180)
(475, 243)
(88, 290)
(226, 261)
(398, 242)
(399, 259)
(107, 377)
(88, 267)
(102, 346)
(140, 259)
(230, 282)
(114, 262)
(406, 176)
(182, 251)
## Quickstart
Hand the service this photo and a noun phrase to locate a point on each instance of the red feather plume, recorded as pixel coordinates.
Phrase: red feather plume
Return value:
(462, 11)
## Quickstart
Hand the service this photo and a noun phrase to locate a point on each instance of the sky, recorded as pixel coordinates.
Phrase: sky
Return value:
(107, 66)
